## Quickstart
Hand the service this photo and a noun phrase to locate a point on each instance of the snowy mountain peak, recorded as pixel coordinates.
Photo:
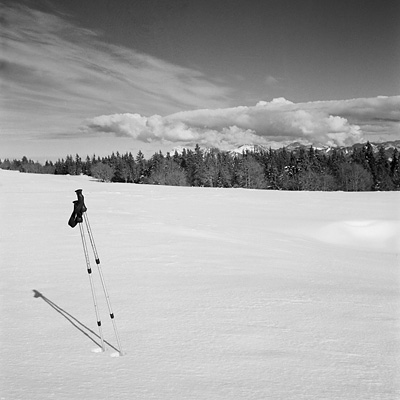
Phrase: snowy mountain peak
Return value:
(389, 147)
(252, 148)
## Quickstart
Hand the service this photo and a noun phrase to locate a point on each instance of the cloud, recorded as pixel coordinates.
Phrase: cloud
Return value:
(279, 121)
(56, 74)
(271, 81)
(278, 100)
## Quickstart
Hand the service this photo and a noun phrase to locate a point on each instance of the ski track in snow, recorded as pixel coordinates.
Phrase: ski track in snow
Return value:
(217, 293)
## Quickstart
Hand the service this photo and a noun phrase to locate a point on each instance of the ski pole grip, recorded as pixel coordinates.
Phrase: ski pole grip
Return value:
(79, 209)
(81, 200)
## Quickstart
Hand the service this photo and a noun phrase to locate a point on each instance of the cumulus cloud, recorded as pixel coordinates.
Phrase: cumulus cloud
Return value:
(279, 121)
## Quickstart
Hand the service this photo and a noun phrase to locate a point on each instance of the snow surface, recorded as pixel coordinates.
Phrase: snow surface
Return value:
(217, 293)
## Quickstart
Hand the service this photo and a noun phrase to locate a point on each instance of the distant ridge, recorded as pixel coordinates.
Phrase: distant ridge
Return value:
(388, 146)
(252, 148)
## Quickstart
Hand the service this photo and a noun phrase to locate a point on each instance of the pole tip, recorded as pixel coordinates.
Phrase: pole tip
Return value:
(117, 354)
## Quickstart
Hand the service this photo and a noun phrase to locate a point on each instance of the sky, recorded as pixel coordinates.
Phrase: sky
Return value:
(98, 76)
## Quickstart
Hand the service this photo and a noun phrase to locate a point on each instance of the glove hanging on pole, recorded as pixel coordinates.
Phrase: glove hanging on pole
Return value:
(79, 208)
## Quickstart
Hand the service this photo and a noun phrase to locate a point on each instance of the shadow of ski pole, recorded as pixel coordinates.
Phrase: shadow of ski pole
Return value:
(72, 320)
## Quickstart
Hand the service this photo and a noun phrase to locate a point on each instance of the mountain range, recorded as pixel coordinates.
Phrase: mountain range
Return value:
(388, 146)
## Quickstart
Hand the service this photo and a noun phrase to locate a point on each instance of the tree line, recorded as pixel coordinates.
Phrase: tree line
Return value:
(362, 169)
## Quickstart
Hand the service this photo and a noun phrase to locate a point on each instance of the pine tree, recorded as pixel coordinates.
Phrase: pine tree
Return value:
(195, 167)
(87, 166)
(395, 169)
(371, 164)
(130, 165)
(78, 165)
(140, 168)
(69, 166)
(225, 170)
(383, 178)
(211, 168)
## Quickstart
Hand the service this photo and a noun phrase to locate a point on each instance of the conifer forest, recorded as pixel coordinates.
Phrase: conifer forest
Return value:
(364, 168)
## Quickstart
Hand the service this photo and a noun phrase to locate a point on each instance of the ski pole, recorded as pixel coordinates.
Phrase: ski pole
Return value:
(96, 256)
(89, 270)
(79, 216)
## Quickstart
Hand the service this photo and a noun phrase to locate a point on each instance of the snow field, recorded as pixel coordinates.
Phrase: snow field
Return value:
(217, 293)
